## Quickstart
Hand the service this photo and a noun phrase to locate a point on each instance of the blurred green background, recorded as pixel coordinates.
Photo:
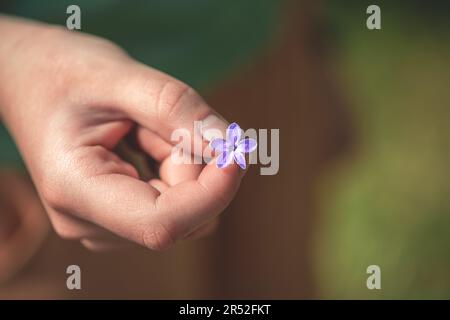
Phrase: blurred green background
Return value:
(387, 203)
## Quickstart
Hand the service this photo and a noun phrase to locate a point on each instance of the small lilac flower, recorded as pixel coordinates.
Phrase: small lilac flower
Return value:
(233, 147)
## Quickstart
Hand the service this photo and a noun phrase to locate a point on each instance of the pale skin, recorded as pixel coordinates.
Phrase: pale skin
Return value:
(68, 98)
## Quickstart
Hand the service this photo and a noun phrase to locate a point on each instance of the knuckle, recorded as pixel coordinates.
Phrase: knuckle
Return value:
(110, 46)
(55, 181)
(50, 194)
(53, 189)
(169, 97)
(158, 238)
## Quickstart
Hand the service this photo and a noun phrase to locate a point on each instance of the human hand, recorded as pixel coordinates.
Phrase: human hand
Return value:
(68, 99)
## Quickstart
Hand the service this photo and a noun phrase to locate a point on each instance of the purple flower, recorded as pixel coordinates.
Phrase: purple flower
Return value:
(233, 147)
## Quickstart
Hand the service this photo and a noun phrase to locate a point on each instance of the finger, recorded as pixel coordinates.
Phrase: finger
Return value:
(172, 172)
(137, 211)
(203, 199)
(174, 168)
(204, 230)
(100, 245)
(70, 227)
(163, 104)
(159, 185)
(153, 144)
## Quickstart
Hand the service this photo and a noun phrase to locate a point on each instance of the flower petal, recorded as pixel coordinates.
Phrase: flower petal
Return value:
(233, 133)
(224, 159)
(219, 145)
(240, 159)
(247, 145)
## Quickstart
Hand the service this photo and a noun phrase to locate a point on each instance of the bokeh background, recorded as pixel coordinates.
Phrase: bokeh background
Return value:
(364, 152)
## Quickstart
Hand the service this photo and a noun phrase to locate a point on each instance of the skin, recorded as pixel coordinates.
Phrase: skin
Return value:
(68, 98)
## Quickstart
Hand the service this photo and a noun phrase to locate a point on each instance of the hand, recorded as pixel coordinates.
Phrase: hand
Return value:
(68, 99)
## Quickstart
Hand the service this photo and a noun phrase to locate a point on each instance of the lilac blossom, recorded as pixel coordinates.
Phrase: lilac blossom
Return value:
(233, 148)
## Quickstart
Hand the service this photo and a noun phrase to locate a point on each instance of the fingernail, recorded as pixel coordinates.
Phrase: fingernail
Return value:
(213, 126)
